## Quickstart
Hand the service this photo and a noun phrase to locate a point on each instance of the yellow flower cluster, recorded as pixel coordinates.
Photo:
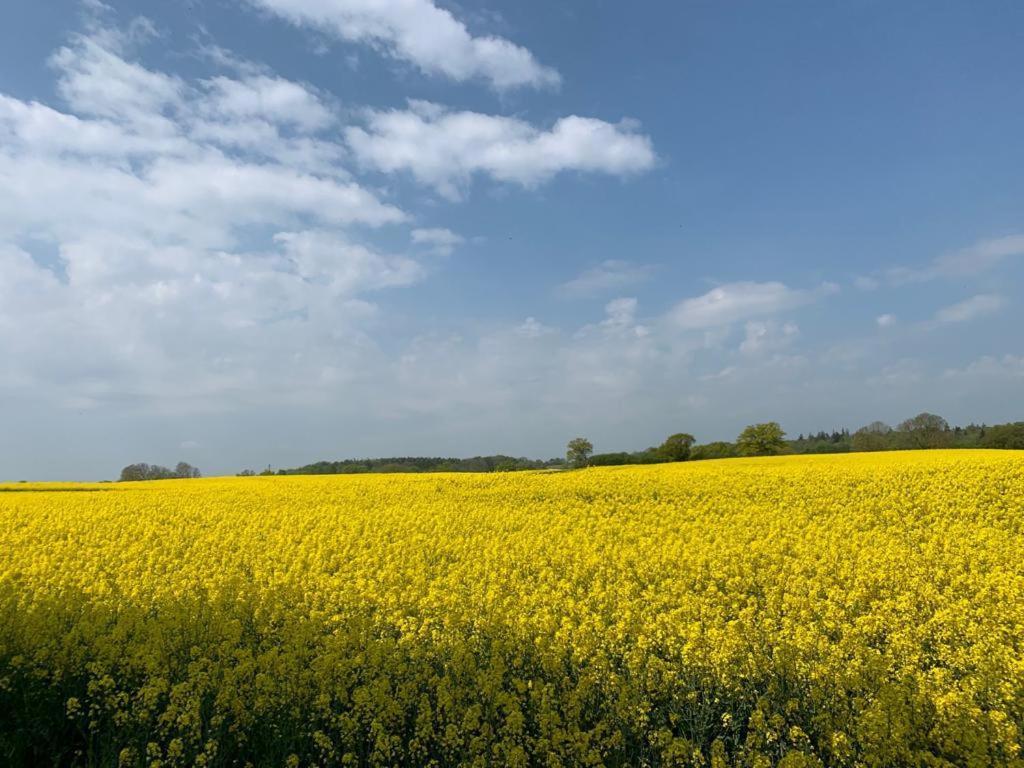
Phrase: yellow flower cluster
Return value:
(862, 610)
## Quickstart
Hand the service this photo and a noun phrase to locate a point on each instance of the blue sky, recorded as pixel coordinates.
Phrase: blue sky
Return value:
(251, 232)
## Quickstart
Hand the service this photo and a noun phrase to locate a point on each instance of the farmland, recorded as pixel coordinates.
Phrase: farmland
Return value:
(858, 610)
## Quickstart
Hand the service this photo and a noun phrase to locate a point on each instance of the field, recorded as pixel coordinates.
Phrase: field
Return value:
(860, 610)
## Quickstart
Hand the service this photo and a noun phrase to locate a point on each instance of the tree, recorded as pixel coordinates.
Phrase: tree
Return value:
(715, 450)
(926, 430)
(761, 440)
(246, 473)
(143, 471)
(135, 472)
(876, 436)
(186, 470)
(1004, 436)
(161, 473)
(578, 451)
(676, 447)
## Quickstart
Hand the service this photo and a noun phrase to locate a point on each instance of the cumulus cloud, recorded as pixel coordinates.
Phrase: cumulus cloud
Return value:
(734, 302)
(141, 150)
(445, 149)
(970, 309)
(193, 242)
(419, 32)
(169, 260)
(342, 267)
(172, 245)
(96, 80)
(608, 276)
(272, 99)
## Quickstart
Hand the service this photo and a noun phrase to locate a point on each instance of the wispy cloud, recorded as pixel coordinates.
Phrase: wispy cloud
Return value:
(970, 309)
(439, 239)
(607, 277)
(971, 261)
(1009, 367)
(734, 302)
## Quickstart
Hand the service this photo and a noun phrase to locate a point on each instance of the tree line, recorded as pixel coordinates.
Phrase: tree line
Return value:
(143, 471)
(497, 463)
(925, 430)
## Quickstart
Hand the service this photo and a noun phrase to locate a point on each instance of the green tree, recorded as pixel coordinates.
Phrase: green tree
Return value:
(715, 450)
(1005, 436)
(926, 430)
(761, 440)
(676, 447)
(578, 452)
(876, 436)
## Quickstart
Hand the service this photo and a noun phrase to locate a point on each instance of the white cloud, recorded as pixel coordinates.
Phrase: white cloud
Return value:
(531, 328)
(620, 318)
(989, 367)
(766, 336)
(968, 262)
(886, 320)
(146, 153)
(96, 81)
(970, 309)
(733, 302)
(445, 149)
(440, 240)
(135, 110)
(345, 268)
(273, 99)
(980, 257)
(419, 32)
(198, 245)
(172, 246)
(608, 276)
(168, 261)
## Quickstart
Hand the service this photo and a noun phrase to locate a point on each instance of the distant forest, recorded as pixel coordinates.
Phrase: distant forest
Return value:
(925, 430)
(497, 463)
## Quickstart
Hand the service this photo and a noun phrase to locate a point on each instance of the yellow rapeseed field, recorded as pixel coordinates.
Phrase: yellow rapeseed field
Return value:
(861, 610)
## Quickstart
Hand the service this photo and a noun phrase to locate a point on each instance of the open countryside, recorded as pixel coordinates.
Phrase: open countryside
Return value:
(503, 384)
(855, 610)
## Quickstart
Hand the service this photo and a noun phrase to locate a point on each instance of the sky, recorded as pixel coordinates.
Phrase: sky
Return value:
(243, 233)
